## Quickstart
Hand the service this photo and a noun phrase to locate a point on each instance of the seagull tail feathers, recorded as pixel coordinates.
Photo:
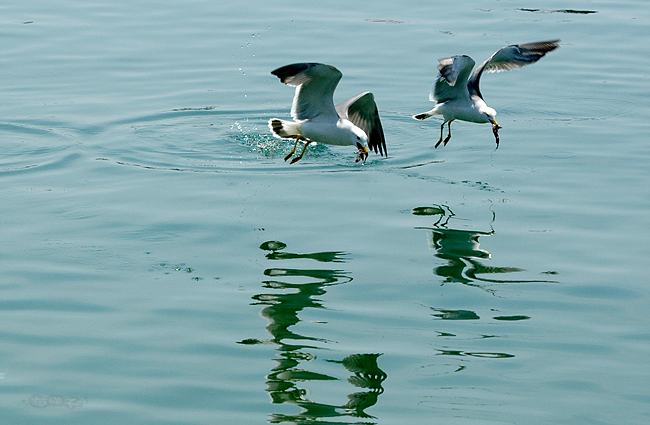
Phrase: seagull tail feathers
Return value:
(425, 115)
(284, 129)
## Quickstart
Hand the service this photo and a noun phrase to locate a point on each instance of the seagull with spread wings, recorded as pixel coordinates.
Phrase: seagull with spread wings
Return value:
(315, 118)
(458, 97)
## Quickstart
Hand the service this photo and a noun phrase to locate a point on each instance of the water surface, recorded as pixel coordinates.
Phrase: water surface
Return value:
(162, 264)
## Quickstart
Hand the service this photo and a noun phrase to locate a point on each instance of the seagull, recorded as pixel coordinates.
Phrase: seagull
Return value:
(458, 97)
(315, 118)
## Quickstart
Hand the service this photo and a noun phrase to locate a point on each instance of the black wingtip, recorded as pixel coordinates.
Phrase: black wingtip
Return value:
(379, 141)
(287, 71)
(541, 47)
(276, 126)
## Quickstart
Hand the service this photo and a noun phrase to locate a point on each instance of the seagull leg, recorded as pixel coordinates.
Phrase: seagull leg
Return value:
(444, 143)
(299, 157)
(286, 158)
(442, 127)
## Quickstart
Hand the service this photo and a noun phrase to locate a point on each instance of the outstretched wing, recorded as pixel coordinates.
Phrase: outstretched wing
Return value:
(452, 80)
(362, 111)
(315, 84)
(509, 58)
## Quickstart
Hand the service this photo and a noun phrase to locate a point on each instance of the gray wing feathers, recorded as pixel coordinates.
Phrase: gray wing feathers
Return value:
(517, 56)
(315, 84)
(362, 111)
(452, 80)
(511, 57)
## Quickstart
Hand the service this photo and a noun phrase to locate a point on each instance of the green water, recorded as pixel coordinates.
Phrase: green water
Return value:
(162, 264)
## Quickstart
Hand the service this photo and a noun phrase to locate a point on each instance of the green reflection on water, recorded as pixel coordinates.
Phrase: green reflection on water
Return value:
(511, 318)
(474, 354)
(323, 257)
(294, 290)
(456, 314)
(461, 249)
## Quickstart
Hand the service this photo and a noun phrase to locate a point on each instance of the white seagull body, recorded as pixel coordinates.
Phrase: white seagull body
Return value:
(353, 122)
(458, 97)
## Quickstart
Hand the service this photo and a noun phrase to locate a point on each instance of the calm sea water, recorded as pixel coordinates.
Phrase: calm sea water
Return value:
(162, 264)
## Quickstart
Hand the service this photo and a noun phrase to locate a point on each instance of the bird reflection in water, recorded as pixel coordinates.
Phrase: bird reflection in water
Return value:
(294, 290)
(461, 249)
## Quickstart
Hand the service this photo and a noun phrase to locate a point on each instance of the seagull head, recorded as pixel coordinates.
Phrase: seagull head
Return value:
(490, 115)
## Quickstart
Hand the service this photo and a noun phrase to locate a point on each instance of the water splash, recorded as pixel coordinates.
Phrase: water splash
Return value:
(265, 145)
